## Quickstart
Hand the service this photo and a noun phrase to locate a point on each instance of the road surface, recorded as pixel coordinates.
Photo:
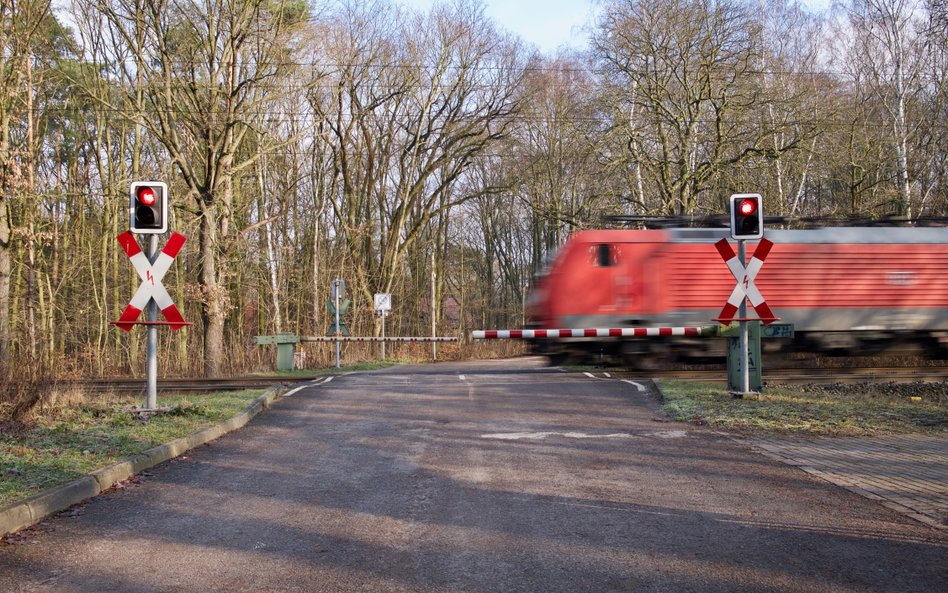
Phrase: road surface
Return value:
(498, 476)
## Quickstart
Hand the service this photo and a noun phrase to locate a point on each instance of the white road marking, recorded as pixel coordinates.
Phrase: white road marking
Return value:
(590, 375)
(537, 436)
(638, 386)
(607, 375)
(292, 391)
(470, 387)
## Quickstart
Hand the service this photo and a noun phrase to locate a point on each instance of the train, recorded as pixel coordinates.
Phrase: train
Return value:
(845, 290)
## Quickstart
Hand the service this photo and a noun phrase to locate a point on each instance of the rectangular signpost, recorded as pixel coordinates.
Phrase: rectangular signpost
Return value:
(383, 304)
(148, 215)
(747, 222)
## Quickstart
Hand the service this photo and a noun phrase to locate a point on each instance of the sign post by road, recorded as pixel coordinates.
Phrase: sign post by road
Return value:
(747, 222)
(383, 304)
(148, 215)
(338, 309)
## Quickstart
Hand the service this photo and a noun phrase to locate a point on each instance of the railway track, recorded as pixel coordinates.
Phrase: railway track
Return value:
(789, 375)
(814, 375)
(122, 385)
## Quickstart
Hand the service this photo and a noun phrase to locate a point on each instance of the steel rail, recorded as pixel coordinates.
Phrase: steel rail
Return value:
(810, 375)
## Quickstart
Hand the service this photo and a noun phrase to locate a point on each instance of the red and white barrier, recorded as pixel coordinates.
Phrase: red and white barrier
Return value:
(614, 332)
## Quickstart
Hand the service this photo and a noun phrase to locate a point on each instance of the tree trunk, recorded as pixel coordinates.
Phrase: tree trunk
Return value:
(212, 311)
(4, 281)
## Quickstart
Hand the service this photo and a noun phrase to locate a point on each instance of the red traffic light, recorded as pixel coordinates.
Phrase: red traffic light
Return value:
(146, 196)
(148, 207)
(747, 216)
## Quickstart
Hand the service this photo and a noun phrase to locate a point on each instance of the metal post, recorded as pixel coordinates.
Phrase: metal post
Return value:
(151, 339)
(742, 313)
(434, 310)
(335, 294)
(383, 336)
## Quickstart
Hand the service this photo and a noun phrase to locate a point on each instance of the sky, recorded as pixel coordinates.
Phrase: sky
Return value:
(550, 24)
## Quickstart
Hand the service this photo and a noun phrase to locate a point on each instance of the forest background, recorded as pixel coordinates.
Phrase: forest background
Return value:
(420, 153)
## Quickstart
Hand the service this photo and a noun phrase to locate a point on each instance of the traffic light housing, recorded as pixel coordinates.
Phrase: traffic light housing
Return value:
(747, 216)
(148, 207)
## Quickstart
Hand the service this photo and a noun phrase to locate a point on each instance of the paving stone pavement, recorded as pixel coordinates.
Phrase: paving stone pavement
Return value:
(907, 473)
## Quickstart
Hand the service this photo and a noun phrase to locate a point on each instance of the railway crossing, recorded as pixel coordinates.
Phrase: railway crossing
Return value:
(477, 476)
(151, 287)
(745, 286)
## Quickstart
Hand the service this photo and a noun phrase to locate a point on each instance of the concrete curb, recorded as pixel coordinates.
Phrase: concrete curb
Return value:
(31, 511)
(655, 390)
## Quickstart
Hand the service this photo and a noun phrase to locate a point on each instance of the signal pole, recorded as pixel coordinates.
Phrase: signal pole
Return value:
(151, 339)
(747, 222)
(742, 314)
(336, 289)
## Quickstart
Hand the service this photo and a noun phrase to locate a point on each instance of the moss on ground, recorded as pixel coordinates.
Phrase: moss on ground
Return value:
(69, 442)
(851, 411)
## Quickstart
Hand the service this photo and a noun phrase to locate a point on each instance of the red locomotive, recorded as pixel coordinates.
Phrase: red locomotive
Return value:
(852, 289)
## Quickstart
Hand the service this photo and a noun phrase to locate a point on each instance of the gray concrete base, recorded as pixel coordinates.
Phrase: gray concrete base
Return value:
(31, 511)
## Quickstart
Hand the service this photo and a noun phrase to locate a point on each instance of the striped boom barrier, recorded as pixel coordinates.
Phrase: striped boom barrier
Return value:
(374, 339)
(615, 332)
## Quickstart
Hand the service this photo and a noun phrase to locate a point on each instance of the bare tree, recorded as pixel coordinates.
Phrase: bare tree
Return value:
(20, 28)
(415, 99)
(197, 74)
(887, 49)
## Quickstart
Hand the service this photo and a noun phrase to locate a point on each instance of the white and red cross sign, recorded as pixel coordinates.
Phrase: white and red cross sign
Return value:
(151, 286)
(745, 281)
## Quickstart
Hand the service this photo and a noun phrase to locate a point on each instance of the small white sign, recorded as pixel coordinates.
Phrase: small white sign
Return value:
(383, 301)
(338, 289)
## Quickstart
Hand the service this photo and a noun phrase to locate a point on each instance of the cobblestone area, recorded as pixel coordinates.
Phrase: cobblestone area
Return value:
(907, 473)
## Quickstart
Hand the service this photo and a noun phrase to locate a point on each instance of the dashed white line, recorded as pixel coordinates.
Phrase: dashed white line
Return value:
(590, 375)
(470, 387)
(536, 436)
(292, 391)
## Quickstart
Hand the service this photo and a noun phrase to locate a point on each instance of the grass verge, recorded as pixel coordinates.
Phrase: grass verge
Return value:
(346, 368)
(815, 410)
(69, 442)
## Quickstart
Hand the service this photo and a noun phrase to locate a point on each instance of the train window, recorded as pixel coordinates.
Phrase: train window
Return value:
(605, 256)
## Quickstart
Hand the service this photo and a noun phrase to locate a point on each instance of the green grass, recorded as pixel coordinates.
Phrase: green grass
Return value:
(783, 409)
(346, 368)
(70, 442)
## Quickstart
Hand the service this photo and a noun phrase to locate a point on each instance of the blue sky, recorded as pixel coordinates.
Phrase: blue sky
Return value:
(549, 24)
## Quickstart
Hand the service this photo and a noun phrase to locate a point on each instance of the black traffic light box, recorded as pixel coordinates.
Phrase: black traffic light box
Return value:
(747, 216)
(148, 207)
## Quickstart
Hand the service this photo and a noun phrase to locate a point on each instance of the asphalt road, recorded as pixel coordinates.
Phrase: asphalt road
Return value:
(478, 477)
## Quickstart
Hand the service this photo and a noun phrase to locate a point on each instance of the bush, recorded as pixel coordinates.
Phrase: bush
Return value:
(23, 389)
